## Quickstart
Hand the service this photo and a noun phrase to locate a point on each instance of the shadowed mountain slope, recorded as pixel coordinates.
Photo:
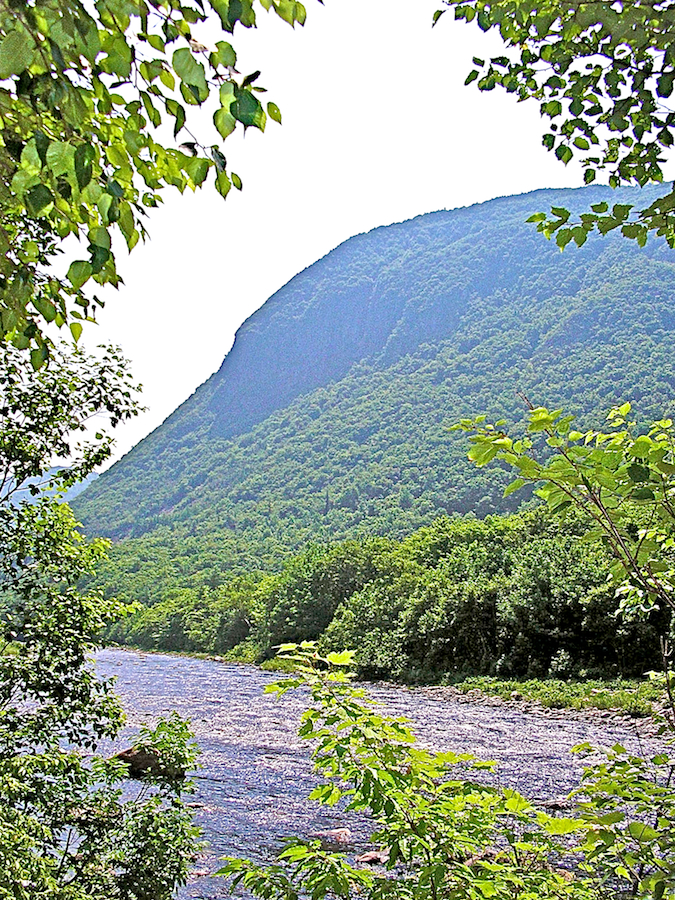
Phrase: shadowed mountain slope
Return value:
(329, 415)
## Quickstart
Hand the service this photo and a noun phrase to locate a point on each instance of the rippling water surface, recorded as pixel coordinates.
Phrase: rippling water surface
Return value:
(255, 772)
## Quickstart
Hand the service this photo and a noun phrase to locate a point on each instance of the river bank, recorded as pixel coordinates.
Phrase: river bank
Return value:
(255, 773)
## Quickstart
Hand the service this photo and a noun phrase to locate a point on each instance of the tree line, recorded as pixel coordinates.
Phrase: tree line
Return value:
(513, 596)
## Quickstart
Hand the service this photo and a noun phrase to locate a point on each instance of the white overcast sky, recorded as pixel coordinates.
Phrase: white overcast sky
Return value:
(377, 128)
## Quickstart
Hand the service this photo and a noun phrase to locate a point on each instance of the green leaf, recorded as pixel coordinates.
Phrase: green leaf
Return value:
(16, 53)
(75, 330)
(274, 112)
(665, 84)
(225, 122)
(156, 42)
(560, 825)
(151, 109)
(248, 110)
(219, 159)
(83, 162)
(224, 55)
(642, 832)
(483, 453)
(79, 272)
(167, 79)
(178, 112)
(514, 486)
(189, 70)
(641, 447)
(100, 237)
(38, 198)
(223, 184)
(345, 658)
(39, 357)
(563, 237)
(611, 818)
(60, 157)
(197, 169)
(638, 473)
(487, 888)
(561, 212)
(621, 211)
(45, 307)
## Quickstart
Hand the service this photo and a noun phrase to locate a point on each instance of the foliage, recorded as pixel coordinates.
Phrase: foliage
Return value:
(457, 310)
(509, 595)
(608, 477)
(445, 833)
(67, 826)
(44, 416)
(602, 74)
(211, 621)
(300, 603)
(628, 802)
(635, 698)
(505, 596)
(87, 91)
(69, 829)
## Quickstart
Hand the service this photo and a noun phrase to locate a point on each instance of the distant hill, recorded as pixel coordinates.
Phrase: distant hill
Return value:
(23, 494)
(329, 415)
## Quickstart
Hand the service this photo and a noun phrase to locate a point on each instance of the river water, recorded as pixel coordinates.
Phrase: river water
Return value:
(255, 773)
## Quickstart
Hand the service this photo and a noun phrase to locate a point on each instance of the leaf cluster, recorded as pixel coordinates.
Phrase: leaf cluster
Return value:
(44, 417)
(507, 595)
(86, 93)
(69, 828)
(602, 74)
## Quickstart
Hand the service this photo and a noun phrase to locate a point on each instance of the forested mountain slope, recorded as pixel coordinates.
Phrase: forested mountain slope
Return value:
(329, 416)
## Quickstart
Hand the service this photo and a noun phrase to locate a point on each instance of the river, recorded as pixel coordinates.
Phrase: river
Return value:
(255, 773)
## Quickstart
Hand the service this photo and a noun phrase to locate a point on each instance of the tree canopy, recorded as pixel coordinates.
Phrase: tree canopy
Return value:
(602, 73)
(86, 92)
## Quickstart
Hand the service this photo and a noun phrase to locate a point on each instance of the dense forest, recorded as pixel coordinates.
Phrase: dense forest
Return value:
(329, 418)
(508, 595)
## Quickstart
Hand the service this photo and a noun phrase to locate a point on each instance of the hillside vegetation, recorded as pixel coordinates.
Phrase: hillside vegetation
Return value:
(511, 596)
(328, 419)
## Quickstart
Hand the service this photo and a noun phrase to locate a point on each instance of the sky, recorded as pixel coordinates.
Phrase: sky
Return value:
(378, 127)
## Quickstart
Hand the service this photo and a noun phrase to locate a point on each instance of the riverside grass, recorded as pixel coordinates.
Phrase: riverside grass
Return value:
(629, 697)
(637, 698)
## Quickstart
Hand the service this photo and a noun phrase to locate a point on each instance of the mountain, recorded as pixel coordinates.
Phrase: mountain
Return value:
(329, 416)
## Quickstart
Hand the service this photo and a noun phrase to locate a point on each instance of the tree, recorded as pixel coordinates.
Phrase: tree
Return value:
(86, 92)
(620, 480)
(602, 73)
(67, 829)
(44, 419)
